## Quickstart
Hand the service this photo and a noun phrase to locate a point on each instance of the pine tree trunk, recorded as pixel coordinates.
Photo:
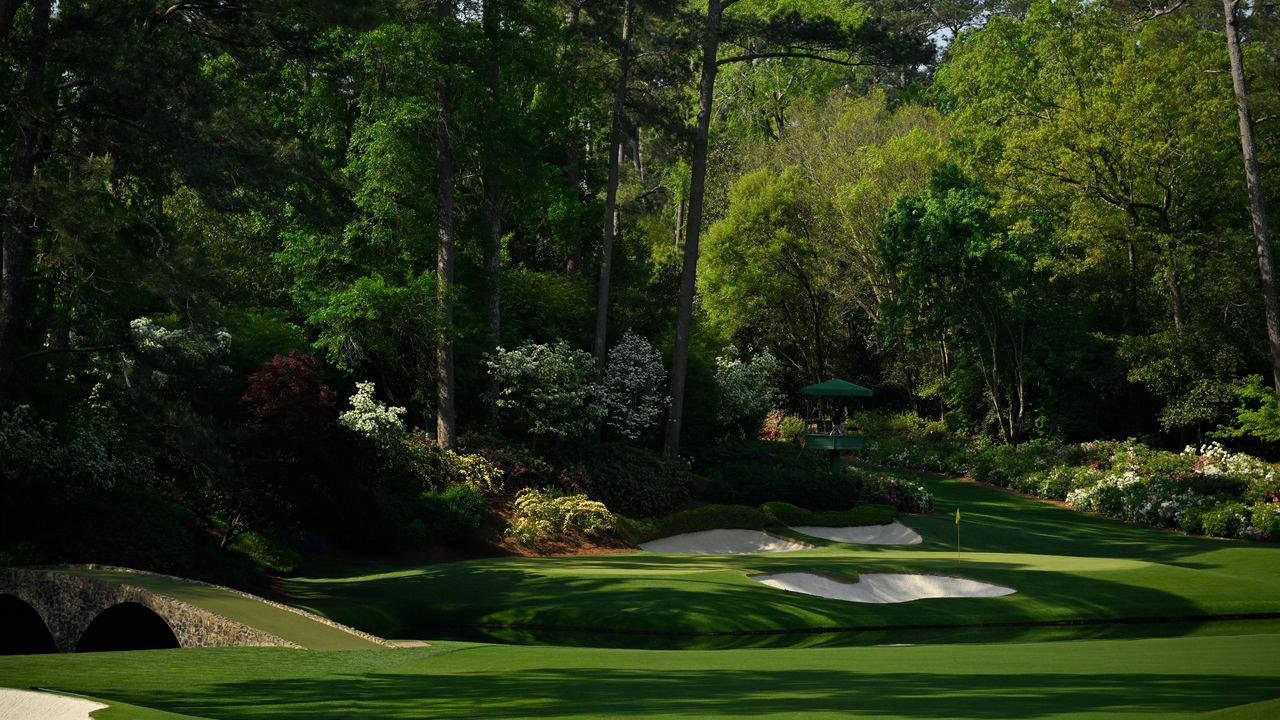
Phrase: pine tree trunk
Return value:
(445, 418)
(493, 201)
(611, 192)
(1253, 177)
(689, 276)
(19, 219)
(573, 148)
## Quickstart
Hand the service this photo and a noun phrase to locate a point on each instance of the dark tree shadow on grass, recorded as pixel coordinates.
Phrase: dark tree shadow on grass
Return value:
(586, 692)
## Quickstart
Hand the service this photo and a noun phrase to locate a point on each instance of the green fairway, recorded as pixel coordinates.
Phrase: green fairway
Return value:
(1067, 567)
(1018, 656)
(281, 622)
(1177, 677)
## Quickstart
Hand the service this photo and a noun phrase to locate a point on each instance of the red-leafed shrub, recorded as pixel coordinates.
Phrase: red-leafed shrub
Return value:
(285, 397)
(291, 450)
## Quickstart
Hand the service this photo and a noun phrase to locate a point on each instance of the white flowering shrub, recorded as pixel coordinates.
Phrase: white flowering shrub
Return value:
(1214, 459)
(542, 515)
(548, 390)
(632, 387)
(184, 344)
(1129, 496)
(747, 390)
(1264, 522)
(372, 418)
(163, 354)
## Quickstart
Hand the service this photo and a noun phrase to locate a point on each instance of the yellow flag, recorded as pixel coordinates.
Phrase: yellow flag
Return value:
(957, 516)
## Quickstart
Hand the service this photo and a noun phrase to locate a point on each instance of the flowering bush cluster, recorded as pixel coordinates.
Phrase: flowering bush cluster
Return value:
(903, 495)
(779, 426)
(548, 390)
(543, 515)
(905, 440)
(1206, 490)
(372, 418)
(943, 457)
(185, 344)
(746, 389)
(418, 461)
(170, 363)
(632, 387)
(1159, 502)
(475, 471)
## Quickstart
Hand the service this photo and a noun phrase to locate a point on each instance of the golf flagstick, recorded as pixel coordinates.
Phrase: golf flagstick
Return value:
(957, 533)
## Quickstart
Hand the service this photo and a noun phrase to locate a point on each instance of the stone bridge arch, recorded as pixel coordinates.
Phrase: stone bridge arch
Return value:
(70, 604)
(22, 629)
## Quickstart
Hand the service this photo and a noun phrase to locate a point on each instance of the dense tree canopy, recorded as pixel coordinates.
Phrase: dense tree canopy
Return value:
(1028, 219)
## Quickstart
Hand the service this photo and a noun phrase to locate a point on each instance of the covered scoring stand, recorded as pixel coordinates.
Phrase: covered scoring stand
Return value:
(826, 406)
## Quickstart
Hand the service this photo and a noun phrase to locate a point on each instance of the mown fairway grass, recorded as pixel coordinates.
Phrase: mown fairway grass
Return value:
(1066, 566)
(1152, 678)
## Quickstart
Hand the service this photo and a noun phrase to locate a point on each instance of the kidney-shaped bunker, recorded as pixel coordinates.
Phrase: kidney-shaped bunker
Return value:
(723, 542)
(883, 587)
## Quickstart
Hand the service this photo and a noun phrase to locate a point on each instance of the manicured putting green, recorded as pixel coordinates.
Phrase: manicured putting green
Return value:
(292, 626)
(1066, 567)
(1149, 678)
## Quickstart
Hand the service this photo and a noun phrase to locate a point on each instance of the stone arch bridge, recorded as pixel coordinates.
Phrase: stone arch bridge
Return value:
(52, 609)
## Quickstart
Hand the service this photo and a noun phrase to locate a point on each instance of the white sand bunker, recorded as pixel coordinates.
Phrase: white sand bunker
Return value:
(894, 533)
(883, 587)
(723, 542)
(26, 704)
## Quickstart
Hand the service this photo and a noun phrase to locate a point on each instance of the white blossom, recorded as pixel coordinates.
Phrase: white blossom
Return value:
(746, 387)
(373, 418)
(632, 386)
(549, 389)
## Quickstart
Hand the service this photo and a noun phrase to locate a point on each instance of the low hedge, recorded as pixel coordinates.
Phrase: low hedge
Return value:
(706, 517)
(743, 517)
(751, 472)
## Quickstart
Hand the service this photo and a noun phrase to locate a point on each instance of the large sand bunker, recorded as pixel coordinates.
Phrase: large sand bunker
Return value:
(26, 704)
(883, 587)
(723, 542)
(894, 533)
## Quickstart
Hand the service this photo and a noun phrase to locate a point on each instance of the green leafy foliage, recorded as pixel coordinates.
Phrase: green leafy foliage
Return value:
(750, 472)
(633, 481)
(962, 278)
(1257, 415)
(453, 513)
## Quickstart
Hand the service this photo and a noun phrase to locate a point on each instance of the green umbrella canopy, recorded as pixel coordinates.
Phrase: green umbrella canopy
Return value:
(836, 388)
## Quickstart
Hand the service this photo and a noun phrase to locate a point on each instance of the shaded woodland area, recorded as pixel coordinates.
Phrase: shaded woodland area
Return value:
(1019, 220)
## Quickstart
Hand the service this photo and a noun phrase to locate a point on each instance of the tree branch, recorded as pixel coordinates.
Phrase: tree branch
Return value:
(799, 54)
(651, 191)
(1156, 12)
(55, 350)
